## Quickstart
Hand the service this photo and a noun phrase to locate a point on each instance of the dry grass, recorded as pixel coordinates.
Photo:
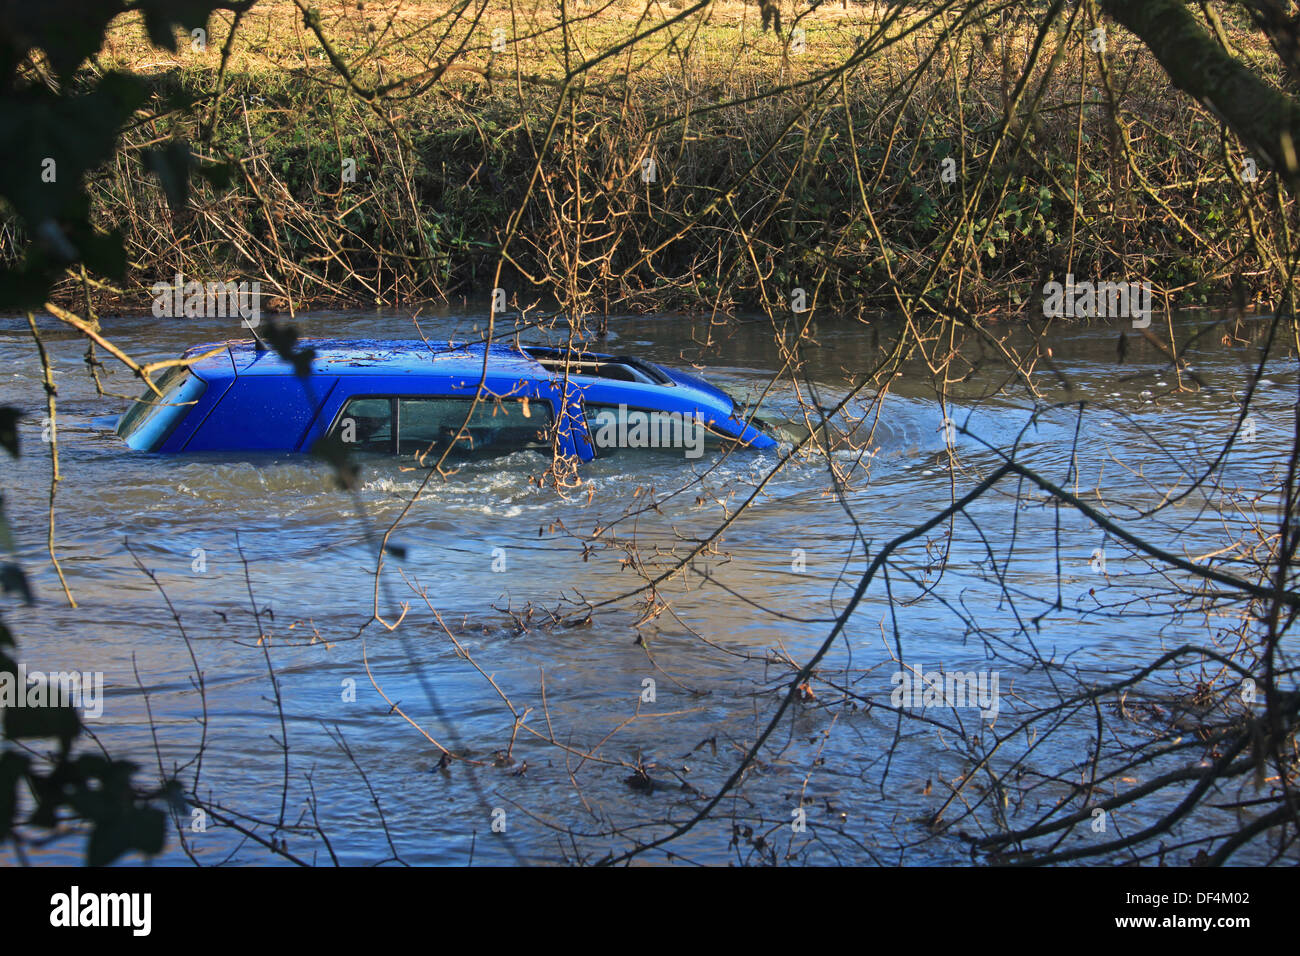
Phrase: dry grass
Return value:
(406, 38)
(779, 169)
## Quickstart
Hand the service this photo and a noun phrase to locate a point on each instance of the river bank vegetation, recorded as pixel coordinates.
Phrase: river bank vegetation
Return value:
(617, 156)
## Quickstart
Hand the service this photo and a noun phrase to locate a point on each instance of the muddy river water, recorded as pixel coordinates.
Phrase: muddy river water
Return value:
(680, 691)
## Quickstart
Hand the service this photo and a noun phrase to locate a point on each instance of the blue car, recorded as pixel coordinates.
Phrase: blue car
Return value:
(416, 399)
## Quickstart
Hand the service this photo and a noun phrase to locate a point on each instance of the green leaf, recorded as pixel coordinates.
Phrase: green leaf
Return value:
(13, 767)
(143, 829)
(171, 164)
(218, 174)
(69, 31)
(52, 141)
(9, 428)
(104, 253)
(13, 580)
(25, 288)
(61, 723)
(162, 17)
(284, 339)
(336, 454)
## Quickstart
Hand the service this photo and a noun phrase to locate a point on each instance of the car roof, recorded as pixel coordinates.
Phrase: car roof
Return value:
(243, 359)
(365, 357)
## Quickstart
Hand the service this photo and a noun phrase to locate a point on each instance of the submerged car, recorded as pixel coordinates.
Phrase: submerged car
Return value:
(417, 398)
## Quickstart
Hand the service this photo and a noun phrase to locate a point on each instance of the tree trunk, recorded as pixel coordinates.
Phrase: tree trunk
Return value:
(1266, 120)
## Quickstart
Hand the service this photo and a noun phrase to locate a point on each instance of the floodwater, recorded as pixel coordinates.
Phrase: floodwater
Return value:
(683, 688)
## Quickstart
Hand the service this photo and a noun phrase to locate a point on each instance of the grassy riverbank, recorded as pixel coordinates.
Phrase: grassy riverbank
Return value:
(710, 164)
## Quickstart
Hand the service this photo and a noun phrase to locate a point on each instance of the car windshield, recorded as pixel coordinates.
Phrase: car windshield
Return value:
(747, 407)
(149, 421)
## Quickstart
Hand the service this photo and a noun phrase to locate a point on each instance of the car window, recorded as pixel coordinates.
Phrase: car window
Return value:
(616, 427)
(497, 426)
(149, 421)
(367, 424)
(430, 424)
